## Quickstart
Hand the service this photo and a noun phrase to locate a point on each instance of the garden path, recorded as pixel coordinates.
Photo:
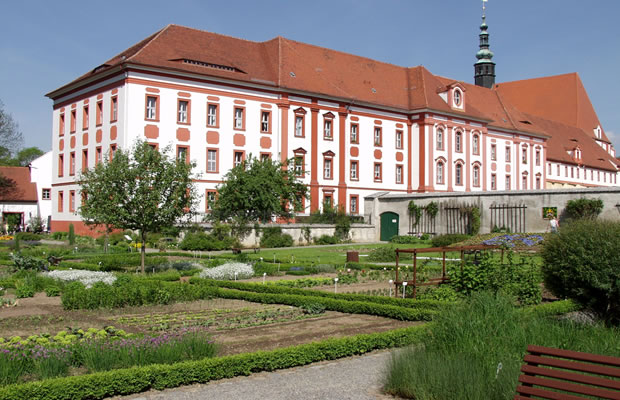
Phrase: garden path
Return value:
(354, 378)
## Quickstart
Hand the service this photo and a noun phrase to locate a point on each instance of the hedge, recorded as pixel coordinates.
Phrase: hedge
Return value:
(271, 288)
(553, 308)
(160, 376)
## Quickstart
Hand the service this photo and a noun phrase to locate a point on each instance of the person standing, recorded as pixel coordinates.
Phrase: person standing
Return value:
(554, 224)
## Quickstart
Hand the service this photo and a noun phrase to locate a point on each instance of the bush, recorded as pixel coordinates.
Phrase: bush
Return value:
(201, 241)
(52, 291)
(71, 235)
(29, 236)
(404, 239)
(27, 263)
(24, 290)
(60, 235)
(447, 240)
(582, 263)
(583, 208)
(273, 237)
(326, 239)
(382, 254)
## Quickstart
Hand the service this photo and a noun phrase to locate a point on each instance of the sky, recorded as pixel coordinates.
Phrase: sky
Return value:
(46, 44)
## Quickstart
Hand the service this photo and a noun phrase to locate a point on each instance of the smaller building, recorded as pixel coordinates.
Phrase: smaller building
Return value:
(28, 196)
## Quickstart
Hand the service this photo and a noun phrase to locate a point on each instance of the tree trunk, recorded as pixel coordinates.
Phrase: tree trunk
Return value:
(143, 248)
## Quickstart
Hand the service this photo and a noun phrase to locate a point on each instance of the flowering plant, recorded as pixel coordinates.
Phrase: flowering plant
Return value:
(514, 240)
(88, 278)
(229, 271)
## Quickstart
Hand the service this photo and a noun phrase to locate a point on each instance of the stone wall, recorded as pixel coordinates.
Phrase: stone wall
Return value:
(360, 233)
(524, 208)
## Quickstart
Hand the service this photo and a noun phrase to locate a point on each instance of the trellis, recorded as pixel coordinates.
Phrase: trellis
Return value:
(455, 219)
(508, 216)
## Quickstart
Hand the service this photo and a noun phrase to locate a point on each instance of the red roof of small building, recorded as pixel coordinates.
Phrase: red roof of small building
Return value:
(24, 190)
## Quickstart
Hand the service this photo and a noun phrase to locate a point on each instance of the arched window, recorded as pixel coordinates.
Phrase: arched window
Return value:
(458, 142)
(458, 175)
(439, 139)
(457, 97)
(475, 144)
(440, 172)
(476, 176)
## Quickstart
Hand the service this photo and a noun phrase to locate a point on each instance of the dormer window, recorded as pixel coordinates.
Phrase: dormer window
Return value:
(577, 153)
(458, 98)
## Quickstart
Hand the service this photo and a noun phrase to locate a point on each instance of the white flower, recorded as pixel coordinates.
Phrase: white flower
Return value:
(88, 278)
(228, 271)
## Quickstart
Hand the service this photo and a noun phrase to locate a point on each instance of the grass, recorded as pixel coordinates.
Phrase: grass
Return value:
(475, 350)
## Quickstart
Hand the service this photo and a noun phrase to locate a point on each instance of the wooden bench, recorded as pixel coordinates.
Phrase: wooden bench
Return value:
(568, 375)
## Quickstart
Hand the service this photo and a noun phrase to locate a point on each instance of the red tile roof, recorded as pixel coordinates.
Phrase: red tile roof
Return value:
(24, 190)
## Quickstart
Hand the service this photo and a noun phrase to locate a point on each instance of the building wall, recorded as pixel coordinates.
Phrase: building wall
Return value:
(41, 175)
(533, 201)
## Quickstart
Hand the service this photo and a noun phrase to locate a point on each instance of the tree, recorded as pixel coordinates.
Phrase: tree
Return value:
(141, 189)
(10, 136)
(255, 191)
(583, 208)
(28, 155)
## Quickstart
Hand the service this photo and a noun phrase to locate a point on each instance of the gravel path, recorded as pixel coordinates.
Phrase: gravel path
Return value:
(354, 378)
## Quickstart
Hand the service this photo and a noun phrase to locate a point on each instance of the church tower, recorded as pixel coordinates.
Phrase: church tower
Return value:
(484, 68)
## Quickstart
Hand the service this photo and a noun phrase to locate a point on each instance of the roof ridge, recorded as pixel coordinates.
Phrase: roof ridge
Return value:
(499, 98)
(153, 38)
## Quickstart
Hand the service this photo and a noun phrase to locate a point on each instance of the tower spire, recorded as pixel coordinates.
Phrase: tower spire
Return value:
(484, 68)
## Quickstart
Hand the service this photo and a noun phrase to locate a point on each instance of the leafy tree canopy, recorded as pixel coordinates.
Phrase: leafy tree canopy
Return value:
(255, 191)
(10, 136)
(140, 189)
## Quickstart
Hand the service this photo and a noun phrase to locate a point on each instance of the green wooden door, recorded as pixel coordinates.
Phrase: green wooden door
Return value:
(389, 225)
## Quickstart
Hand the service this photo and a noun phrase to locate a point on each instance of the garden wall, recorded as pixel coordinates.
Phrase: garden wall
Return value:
(360, 233)
(520, 211)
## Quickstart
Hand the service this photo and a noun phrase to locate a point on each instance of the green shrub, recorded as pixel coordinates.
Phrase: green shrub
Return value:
(201, 241)
(326, 239)
(71, 235)
(582, 263)
(27, 263)
(313, 308)
(60, 235)
(29, 236)
(24, 290)
(382, 254)
(439, 293)
(404, 239)
(583, 208)
(52, 291)
(447, 240)
(273, 237)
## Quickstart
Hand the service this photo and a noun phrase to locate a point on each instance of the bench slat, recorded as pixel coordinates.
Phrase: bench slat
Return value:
(574, 355)
(571, 376)
(573, 365)
(570, 387)
(545, 394)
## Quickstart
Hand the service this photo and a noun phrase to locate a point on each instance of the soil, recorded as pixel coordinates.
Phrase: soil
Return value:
(42, 314)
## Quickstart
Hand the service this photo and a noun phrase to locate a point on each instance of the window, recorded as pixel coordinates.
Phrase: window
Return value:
(212, 161)
(97, 155)
(458, 142)
(210, 197)
(46, 194)
(377, 172)
(183, 154)
(183, 112)
(354, 171)
(377, 136)
(458, 175)
(328, 200)
(61, 165)
(476, 176)
(399, 139)
(399, 174)
(524, 155)
(84, 160)
(457, 97)
(239, 118)
(71, 200)
(577, 172)
(299, 165)
(72, 121)
(566, 172)
(238, 157)
(598, 176)
(440, 173)
(537, 157)
(327, 126)
(354, 133)
(549, 169)
(439, 139)
(353, 204)
(212, 115)
(538, 182)
(99, 116)
(85, 117)
(475, 145)
(112, 151)
(61, 201)
(558, 169)
(151, 108)
(265, 121)
(493, 182)
(508, 153)
(299, 126)
(327, 168)
(61, 125)
(114, 109)
(572, 172)
(493, 152)
(72, 163)
(524, 182)
(508, 183)
(265, 156)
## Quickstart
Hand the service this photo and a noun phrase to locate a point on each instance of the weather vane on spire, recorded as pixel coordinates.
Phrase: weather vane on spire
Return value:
(484, 7)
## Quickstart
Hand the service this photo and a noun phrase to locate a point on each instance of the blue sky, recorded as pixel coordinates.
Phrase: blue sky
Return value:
(46, 44)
